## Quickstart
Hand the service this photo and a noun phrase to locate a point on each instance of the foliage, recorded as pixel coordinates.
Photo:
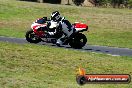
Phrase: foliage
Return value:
(130, 3)
(78, 2)
(114, 3)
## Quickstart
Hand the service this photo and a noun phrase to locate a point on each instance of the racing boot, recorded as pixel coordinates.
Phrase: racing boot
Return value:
(60, 41)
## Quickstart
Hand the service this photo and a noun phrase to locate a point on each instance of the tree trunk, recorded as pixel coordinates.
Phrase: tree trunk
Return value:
(68, 2)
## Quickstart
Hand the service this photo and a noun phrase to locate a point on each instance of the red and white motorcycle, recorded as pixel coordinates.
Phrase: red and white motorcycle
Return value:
(52, 33)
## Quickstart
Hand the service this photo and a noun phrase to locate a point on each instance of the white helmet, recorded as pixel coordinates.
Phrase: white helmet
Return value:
(55, 16)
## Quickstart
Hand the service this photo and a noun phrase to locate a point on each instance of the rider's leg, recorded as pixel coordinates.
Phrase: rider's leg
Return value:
(60, 41)
(67, 30)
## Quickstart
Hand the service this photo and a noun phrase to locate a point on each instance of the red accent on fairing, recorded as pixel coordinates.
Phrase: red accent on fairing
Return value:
(81, 25)
(38, 33)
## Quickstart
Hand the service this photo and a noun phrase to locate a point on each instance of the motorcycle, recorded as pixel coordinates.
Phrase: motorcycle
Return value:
(51, 33)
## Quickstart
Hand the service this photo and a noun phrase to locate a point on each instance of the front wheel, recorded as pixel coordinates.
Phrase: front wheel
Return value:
(78, 41)
(32, 37)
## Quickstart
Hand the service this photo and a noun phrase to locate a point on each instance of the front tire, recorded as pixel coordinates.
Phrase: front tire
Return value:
(32, 37)
(78, 41)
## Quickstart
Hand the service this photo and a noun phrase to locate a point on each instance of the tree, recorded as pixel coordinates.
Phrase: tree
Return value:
(101, 2)
(78, 2)
(116, 3)
(130, 3)
(68, 2)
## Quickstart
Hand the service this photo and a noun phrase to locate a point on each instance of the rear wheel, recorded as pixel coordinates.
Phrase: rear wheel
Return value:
(78, 41)
(32, 37)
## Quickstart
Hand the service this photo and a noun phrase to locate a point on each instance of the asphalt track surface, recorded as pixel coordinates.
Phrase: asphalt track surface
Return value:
(114, 51)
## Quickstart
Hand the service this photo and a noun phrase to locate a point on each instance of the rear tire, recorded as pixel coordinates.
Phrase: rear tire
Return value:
(78, 41)
(31, 37)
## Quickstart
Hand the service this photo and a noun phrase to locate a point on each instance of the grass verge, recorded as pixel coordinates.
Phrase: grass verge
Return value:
(108, 26)
(34, 66)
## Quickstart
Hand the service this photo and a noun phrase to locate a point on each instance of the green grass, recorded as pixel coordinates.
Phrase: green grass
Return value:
(108, 26)
(34, 66)
(39, 66)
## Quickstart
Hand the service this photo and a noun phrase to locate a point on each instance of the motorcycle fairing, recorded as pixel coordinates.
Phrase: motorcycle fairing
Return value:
(80, 27)
(35, 26)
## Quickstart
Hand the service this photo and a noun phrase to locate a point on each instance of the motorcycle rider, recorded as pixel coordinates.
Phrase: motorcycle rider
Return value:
(66, 26)
(55, 21)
